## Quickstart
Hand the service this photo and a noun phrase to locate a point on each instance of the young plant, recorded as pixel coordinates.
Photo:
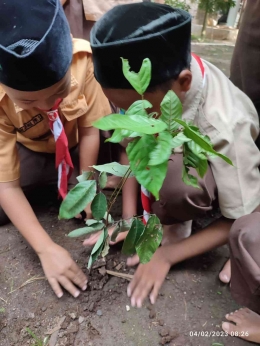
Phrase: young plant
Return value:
(154, 139)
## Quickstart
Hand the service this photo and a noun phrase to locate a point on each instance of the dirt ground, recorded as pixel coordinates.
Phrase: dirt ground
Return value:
(191, 300)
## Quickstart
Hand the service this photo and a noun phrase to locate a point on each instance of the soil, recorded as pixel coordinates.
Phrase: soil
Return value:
(191, 300)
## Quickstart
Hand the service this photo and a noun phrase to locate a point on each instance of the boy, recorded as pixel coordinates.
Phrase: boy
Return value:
(244, 237)
(48, 100)
(210, 101)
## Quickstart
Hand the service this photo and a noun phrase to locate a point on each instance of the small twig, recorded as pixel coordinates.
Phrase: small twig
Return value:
(5, 250)
(5, 301)
(185, 315)
(128, 277)
(30, 281)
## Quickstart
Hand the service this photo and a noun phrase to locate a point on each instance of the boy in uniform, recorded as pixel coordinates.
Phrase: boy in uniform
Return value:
(210, 101)
(48, 101)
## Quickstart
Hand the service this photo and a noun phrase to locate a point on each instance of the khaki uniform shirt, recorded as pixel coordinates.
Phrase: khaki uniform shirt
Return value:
(85, 104)
(94, 9)
(228, 117)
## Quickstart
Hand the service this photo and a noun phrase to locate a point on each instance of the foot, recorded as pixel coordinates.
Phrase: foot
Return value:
(171, 234)
(225, 274)
(91, 241)
(247, 325)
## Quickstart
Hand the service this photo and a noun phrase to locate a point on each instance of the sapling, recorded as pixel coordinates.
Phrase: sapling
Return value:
(154, 137)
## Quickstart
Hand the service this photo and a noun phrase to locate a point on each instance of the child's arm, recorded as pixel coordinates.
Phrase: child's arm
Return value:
(59, 267)
(149, 277)
(129, 193)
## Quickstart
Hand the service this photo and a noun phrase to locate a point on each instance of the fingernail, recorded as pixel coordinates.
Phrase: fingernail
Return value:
(152, 300)
(225, 326)
(128, 292)
(84, 288)
(139, 303)
(133, 302)
(77, 294)
(60, 295)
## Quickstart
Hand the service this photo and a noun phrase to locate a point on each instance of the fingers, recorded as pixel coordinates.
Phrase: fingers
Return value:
(225, 274)
(56, 287)
(78, 217)
(68, 285)
(133, 261)
(92, 239)
(229, 328)
(77, 276)
(139, 288)
(119, 238)
(155, 292)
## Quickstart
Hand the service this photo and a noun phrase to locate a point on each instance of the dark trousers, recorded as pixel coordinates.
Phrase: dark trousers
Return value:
(244, 243)
(38, 169)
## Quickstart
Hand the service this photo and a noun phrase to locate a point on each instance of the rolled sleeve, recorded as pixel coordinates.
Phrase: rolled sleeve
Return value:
(9, 159)
(98, 105)
(238, 185)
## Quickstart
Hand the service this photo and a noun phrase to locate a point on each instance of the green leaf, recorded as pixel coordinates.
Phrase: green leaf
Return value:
(97, 249)
(139, 107)
(113, 168)
(110, 219)
(122, 226)
(141, 80)
(151, 177)
(102, 180)
(150, 239)
(97, 226)
(189, 179)
(106, 247)
(201, 141)
(132, 237)
(90, 222)
(99, 206)
(217, 344)
(84, 176)
(171, 109)
(179, 140)
(162, 150)
(195, 157)
(119, 135)
(77, 199)
(136, 123)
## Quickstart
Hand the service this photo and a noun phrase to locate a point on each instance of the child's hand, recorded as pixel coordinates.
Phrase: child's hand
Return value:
(61, 270)
(148, 279)
(94, 237)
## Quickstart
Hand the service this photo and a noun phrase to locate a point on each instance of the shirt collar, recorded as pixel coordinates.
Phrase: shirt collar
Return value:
(194, 95)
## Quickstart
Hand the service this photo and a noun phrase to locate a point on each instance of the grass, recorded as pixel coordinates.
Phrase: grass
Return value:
(37, 341)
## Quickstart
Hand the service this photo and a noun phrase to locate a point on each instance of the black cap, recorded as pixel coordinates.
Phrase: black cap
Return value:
(35, 44)
(138, 31)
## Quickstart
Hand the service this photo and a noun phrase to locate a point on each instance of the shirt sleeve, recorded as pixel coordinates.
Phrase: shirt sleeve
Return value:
(238, 185)
(98, 105)
(9, 160)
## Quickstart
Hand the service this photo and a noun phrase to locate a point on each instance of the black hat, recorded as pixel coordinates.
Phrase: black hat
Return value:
(138, 31)
(35, 44)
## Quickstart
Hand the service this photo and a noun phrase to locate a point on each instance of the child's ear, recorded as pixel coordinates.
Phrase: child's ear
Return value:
(184, 80)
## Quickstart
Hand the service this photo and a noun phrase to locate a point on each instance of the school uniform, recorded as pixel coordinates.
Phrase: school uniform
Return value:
(228, 117)
(82, 14)
(244, 240)
(27, 145)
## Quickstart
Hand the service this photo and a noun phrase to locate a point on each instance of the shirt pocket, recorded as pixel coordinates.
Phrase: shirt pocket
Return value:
(74, 109)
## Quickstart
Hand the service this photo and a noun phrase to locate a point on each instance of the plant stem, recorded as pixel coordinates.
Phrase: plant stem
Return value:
(117, 191)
